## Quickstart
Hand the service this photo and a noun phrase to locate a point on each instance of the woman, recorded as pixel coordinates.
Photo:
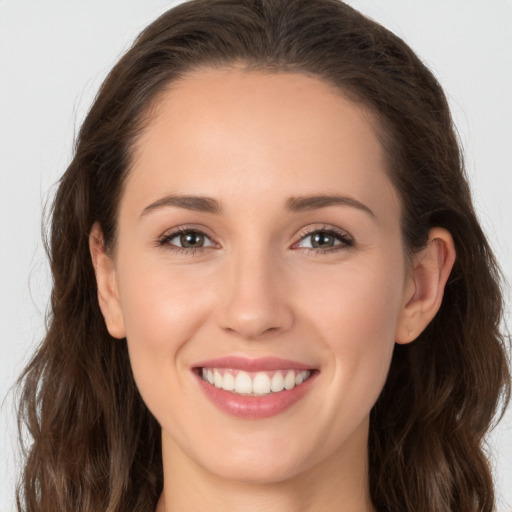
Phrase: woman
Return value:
(271, 291)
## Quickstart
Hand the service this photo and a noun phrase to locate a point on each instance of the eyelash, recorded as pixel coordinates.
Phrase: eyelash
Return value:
(343, 237)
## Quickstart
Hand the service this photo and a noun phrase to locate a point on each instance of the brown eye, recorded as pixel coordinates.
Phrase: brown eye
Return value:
(191, 240)
(186, 239)
(325, 240)
(322, 240)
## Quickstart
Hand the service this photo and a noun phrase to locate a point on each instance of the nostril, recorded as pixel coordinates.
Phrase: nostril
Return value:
(255, 321)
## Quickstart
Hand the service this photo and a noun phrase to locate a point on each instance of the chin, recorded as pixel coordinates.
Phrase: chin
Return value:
(263, 461)
(262, 471)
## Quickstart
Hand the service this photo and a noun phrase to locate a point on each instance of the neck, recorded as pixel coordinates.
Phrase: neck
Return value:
(335, 484)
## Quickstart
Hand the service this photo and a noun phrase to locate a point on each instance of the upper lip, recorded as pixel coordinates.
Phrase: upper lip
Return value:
(253, 365)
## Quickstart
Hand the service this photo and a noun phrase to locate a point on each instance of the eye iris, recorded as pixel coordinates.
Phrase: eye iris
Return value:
(322, 240)
(191, 240)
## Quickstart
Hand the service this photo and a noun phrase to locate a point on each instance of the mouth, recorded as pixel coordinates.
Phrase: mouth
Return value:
(254, 388)
(260, 383)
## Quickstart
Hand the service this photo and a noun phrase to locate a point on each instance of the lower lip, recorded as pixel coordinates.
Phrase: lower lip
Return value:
(255, 407)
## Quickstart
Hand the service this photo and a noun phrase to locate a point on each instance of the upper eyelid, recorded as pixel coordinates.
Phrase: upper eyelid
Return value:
(187, 228)
(327, 228)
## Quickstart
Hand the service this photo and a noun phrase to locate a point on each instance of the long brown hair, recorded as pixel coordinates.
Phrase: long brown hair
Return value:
(95, 446)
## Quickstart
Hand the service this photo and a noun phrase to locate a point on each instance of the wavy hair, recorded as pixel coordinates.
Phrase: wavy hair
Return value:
(94, 444)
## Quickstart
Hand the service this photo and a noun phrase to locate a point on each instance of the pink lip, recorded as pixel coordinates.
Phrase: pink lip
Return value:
(253, 365)
(254, 407)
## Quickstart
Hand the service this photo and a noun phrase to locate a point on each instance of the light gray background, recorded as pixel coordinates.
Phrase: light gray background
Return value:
(53, 56)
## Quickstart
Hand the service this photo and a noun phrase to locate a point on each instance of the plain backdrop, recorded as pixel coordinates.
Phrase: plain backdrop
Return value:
(53, 56)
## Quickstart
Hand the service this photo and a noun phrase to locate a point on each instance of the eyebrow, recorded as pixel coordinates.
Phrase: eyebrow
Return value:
(305, 203)
(294, 204)
(195, 203)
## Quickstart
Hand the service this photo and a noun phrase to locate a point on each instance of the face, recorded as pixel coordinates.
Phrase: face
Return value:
(259, 245)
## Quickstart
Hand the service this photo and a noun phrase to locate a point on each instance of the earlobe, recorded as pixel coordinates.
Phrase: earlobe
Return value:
(108, 296)
(429, 275)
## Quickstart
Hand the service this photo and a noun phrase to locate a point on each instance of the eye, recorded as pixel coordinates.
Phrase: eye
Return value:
(185, 238)
(325, 240)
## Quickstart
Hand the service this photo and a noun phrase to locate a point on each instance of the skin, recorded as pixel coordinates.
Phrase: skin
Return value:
(252, 141)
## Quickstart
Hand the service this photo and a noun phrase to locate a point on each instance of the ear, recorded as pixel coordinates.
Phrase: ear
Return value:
(108, 295)
(425, 286)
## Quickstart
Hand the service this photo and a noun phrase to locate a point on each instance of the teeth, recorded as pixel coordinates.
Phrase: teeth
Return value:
(243, 383)
(289, 380)
(228, 382)
(217, 379)
(260, 383)
(277, 382)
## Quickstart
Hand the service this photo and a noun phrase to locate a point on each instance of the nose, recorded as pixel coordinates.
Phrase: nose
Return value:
(254, 300)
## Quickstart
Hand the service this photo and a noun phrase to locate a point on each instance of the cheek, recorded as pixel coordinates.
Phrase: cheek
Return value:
(359, 302)
(162, 311)
(356, 312)
(160, 305)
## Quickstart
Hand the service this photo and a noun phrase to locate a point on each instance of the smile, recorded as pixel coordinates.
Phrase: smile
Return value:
(254, 389)
(254, 383)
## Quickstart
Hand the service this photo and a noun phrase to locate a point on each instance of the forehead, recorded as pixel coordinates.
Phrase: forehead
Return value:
(215, 130)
